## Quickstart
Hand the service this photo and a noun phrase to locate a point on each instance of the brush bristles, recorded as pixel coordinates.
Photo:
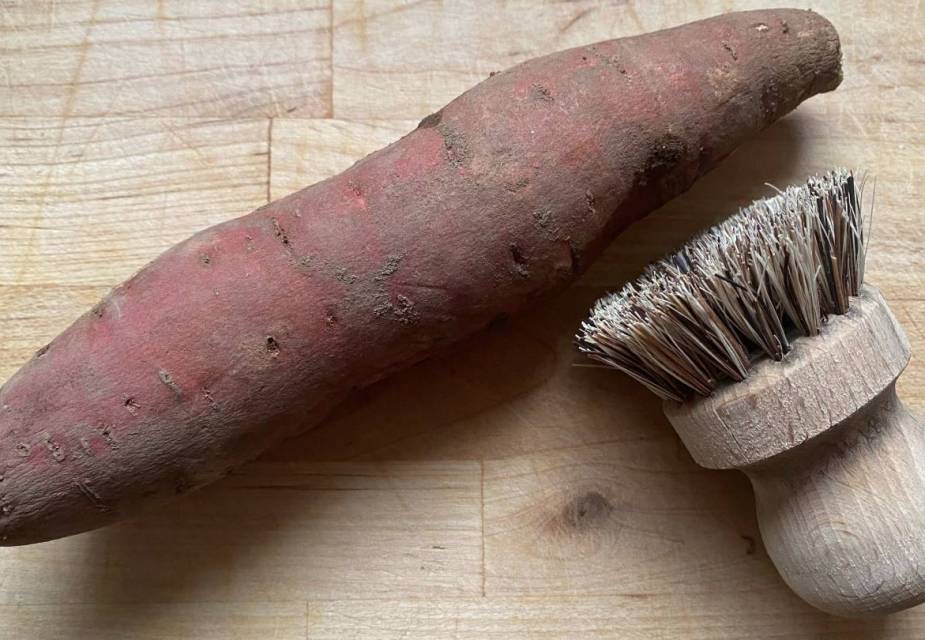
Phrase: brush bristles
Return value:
(775, 269)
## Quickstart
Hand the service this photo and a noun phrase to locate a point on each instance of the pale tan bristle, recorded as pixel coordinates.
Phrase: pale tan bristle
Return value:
(775, 269)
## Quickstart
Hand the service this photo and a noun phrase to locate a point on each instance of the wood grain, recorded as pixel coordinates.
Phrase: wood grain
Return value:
(657, 616)
(405, 60)
(171, 57)
(154, 621)
(276, 533)
(633, 517)
(557, 491)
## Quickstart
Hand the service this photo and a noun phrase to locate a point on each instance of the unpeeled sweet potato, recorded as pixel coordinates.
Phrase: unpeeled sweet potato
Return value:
(212, 352)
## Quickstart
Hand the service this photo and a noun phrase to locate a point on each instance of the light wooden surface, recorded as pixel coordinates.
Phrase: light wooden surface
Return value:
(496, 492)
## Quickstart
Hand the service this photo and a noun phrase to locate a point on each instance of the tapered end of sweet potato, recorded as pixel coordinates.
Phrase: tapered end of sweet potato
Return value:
(814, 47)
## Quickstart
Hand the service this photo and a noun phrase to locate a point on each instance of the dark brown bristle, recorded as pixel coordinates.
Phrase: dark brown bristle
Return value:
(775, 269)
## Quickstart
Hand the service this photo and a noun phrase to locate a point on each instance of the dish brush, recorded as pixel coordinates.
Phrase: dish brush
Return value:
(773, 357)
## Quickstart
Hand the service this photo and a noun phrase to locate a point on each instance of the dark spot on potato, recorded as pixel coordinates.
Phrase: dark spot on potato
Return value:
(540, 93)
(586, 511)
(131, 405)
(22, 449)
(204, 259)
(280, 232)
(664, 156)
(272, 346)
(492, 74)
(614, 61)
(784, 27)
(520, 262)
(98, 309)
(41, 352)
(431, 121)
(355, 189)
(732, 52)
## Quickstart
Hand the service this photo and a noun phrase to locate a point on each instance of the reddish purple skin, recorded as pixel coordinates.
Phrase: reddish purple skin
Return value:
(214, 351)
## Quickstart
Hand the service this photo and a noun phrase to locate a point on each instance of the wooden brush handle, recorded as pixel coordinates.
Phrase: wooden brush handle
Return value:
(836, 461)
(843, 518)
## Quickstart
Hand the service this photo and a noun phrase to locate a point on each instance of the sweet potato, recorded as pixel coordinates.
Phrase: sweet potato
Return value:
(211, 353)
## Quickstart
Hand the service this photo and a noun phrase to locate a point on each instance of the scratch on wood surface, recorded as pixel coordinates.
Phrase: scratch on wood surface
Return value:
(634, 16)
(330, 84)
(269, 159)
(361, 25)
(50, 174)
(361, 18)
(578, 16)
(172, 131)
(84, 46)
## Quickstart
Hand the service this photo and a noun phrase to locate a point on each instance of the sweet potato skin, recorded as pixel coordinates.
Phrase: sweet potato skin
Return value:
(217, 349)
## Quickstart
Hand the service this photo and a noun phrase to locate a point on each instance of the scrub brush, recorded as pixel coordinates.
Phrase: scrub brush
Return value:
(773, 357)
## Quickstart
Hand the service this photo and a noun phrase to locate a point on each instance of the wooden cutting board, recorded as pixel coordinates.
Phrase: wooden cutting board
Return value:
(500, 491)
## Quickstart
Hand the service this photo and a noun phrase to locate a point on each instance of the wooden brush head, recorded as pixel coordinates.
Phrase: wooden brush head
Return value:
(736, 293)
(822, 381)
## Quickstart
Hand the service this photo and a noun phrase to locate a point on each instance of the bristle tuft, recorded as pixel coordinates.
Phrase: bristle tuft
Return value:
(775, 269)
